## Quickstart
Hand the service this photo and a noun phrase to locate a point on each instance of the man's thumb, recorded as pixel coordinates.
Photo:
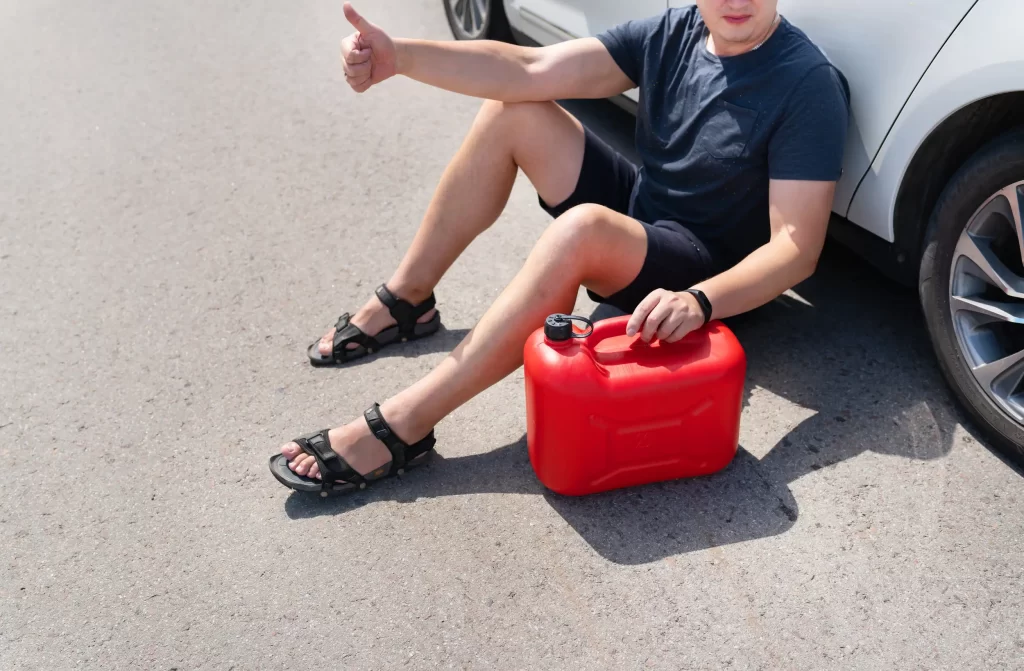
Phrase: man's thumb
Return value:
(356, 19)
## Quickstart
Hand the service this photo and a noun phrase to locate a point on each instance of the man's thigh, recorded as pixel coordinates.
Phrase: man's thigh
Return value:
(567, 164)
(603, 177)
(547, 143)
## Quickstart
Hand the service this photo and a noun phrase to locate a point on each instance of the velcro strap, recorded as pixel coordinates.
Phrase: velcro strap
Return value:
(382, 432)
(405, 313)
(386, 297)
(333, 467)
(353, 334)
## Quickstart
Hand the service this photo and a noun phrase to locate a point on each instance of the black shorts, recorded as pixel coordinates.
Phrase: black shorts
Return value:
(676, 258)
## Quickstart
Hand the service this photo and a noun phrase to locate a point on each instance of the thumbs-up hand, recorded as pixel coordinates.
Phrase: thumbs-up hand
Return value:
(368, 56)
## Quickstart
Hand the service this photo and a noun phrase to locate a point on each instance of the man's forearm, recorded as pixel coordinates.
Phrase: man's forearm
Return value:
(765, 274)
(483, 69)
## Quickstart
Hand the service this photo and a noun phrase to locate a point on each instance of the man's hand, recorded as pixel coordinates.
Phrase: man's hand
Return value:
(368, 56)
(667, 315)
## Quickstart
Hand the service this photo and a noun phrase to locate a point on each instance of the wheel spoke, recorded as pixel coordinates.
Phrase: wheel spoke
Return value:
(481, 13)
(1011, 368)
(474, 10)
(979, 250)
(1012, 313)
(461, 11)
(467, 17)
(1015, 197)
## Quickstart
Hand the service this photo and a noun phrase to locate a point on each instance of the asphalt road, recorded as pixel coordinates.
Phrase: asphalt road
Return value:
(189, 196)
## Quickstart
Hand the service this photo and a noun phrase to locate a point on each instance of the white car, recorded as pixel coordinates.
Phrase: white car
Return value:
(933, 182)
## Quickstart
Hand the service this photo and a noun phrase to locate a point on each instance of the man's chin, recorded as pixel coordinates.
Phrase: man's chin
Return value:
(737, 36)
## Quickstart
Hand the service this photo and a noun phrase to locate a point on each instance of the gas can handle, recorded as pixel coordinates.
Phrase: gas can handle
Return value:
(608, 328)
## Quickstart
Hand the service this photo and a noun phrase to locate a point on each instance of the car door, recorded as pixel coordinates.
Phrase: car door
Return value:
(883, 47)
(549, 21)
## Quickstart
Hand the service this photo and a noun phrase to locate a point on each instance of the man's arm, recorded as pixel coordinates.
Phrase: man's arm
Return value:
(799, 219)
(799, 212)
(580, 68)
(576, 69)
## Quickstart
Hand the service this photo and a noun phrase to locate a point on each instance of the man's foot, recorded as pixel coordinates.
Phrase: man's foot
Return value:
(356, 445)
(372, 318)
(353, 442)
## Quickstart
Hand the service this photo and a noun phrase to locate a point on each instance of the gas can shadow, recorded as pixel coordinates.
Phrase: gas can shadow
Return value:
(648, 523)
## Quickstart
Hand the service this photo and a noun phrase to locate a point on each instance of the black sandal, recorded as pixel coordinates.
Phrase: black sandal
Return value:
(337, 476)
(405, 330)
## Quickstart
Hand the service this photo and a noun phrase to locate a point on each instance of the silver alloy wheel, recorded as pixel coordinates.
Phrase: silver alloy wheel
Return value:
(470, 16)
(986, 297)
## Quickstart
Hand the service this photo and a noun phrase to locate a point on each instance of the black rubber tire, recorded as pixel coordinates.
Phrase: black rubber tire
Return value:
(993, 167)
(495, 28)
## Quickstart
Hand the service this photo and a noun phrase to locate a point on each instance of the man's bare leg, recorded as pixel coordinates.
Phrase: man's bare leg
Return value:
(589, 245)
(541, 138)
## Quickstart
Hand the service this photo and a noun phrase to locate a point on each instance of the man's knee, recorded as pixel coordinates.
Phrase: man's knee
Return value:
(581, 228)
(516, 115)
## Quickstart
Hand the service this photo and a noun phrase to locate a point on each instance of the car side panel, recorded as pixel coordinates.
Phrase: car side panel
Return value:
(984, 57)
(883, 47)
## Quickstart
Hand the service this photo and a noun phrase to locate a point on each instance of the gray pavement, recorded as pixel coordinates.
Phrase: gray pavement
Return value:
(189, 195)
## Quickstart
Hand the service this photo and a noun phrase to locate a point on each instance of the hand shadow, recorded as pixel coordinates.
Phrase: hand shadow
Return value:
(854, 352)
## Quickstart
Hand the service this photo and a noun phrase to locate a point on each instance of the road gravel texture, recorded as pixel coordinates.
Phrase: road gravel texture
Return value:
(189, 195)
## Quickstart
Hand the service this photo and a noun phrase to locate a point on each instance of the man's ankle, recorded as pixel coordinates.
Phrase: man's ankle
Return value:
(409, 291)
(407, 425)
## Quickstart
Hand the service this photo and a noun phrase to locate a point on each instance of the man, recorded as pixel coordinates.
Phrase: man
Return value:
(740, 128)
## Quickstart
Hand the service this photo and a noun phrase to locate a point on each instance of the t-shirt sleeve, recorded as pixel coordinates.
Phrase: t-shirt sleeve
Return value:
(809, 142)
(627, 44)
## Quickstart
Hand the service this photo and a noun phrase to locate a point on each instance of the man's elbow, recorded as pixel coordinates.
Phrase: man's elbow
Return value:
(807, 265)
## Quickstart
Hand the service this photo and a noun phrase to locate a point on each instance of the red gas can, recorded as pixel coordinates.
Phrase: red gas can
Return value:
(605, 410)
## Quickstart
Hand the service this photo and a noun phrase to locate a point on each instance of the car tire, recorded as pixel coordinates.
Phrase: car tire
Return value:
(966, 218)
(478, 20)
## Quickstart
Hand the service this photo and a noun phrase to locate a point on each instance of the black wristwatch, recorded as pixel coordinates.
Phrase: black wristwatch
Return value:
(702, 301)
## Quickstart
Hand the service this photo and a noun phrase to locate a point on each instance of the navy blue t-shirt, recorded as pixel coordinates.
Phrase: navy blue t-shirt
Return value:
(711, 131)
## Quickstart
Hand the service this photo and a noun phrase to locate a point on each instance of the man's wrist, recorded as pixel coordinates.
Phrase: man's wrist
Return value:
(701, 303)
(401, 55)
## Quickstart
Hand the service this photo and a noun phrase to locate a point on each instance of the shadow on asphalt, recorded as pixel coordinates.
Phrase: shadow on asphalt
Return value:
(856, 355)
(853, 353)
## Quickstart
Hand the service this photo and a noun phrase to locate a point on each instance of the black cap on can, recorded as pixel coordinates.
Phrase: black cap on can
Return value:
(558, 328)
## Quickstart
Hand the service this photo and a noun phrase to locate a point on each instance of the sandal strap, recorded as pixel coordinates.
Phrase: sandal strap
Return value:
(333, 467)
(346, 332)
(401, 452)
(404, 312)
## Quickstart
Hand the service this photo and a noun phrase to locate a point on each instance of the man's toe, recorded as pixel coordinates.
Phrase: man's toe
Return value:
(291, 450)
(327, 343)
(304, 464)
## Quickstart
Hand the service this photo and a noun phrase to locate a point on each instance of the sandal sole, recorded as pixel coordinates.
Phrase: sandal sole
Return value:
(300, 483)
(420, 331)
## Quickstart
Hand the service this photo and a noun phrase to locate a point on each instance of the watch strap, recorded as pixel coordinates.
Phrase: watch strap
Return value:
(702, 301)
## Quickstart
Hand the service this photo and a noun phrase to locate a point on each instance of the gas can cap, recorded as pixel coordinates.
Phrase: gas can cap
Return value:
(558, 327)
